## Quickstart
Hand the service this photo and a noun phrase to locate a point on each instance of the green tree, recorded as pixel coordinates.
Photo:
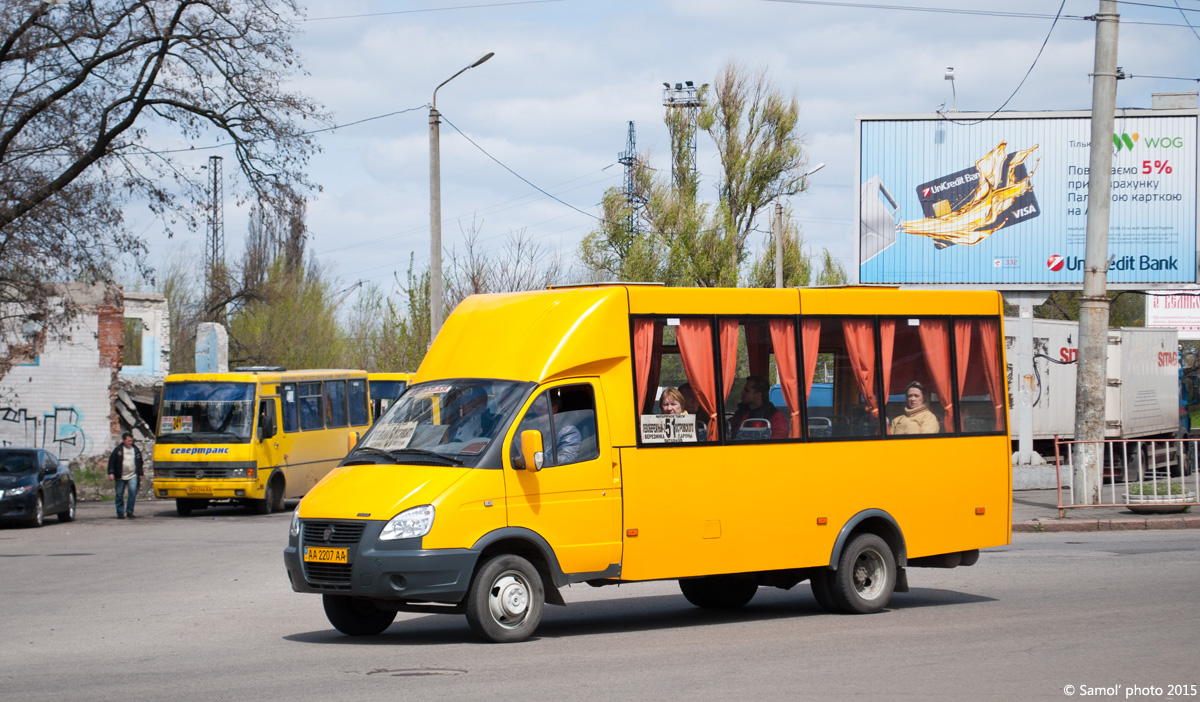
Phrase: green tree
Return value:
(292, 321)
(832, 271)
(679, 239)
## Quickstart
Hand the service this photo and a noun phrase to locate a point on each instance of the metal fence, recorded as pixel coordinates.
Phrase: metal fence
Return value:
(1145, 475)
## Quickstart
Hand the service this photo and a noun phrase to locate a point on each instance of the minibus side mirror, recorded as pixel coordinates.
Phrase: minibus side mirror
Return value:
(351, 441)
(531, 450)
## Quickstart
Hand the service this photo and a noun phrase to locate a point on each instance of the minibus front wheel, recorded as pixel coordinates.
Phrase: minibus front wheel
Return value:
(504, 603)
(354, 616)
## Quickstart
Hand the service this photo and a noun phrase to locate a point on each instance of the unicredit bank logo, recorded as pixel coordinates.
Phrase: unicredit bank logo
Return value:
(1055, 263)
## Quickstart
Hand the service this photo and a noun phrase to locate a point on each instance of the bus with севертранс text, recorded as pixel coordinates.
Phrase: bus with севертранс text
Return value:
(256, 436)
(540, 458)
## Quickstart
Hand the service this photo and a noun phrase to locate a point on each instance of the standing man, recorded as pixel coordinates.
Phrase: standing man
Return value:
(125, 467)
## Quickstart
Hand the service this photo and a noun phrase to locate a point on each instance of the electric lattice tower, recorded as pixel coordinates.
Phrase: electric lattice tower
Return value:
(628, 159)
(215, 246)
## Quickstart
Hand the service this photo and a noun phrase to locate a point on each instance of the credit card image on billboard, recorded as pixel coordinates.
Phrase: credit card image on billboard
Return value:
(951, 193)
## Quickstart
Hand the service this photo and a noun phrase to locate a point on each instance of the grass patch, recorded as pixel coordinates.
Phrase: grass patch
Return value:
(1163, 488)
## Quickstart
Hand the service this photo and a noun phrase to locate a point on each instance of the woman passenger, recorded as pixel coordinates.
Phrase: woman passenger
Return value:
(673, 401)
(917, 419)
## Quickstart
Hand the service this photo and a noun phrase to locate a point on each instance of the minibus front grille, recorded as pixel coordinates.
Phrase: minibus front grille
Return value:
(200, 473)
(339, 533)
(331, 576)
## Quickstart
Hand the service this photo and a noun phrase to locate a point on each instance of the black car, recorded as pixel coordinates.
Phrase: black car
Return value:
(33, 483)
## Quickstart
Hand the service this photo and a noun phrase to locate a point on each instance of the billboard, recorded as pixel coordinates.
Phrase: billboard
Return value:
(1178, 309)
(961, 199)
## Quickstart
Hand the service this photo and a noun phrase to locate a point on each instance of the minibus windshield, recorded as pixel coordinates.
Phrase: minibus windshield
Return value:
(206, 413)
(454, 419)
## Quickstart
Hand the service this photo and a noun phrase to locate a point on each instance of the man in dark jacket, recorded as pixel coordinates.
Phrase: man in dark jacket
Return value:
(756, 405)
(125, 468)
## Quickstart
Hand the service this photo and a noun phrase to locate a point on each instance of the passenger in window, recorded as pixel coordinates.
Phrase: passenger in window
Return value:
(673, 402)
(917, 419)
(475, 421)
(756, 406)
(566, 442)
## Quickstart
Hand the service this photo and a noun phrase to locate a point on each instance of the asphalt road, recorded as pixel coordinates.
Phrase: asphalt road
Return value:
(200, 608)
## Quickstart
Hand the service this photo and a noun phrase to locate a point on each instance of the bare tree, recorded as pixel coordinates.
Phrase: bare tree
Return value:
(520, 264)
(88, 87)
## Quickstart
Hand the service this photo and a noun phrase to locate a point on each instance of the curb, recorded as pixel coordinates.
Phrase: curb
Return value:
(1159, 523)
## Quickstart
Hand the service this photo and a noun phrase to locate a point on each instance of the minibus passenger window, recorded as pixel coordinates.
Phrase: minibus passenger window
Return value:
(842, 350)
(980, 380)
(310, 406)
(287, 392)
(758, 367)
(358, 403)
(335, 403)
(916, 374)
(674, 360)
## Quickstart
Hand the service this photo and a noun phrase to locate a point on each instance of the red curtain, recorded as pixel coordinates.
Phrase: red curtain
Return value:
(962, 354)
(729, 339)
(758, 348)
(783, 338)
(887, 346)
(810, 333)
(935, 341)
(861, 348)
(989, 341)
(695, 348)
(643, 349)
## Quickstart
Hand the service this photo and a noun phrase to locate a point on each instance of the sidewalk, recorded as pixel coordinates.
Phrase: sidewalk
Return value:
(1037, 510)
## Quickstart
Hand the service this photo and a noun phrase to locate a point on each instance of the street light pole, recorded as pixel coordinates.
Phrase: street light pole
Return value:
(435, 206)
(777, 227)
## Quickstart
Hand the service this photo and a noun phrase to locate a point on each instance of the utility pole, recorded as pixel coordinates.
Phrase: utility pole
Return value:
(777, 230)
(1092, 375)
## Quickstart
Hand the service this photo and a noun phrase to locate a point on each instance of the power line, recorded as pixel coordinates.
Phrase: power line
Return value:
(1018, 88)
(313, 131)
(431, 9)
(518, 175)
(975, 13)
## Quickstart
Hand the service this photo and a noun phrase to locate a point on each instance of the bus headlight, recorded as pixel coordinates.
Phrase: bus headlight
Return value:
(295, 530)
(409, 524)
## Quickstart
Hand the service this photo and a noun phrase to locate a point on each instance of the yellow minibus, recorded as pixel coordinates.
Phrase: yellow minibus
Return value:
(616, 433)
(385, 389)
(257, 436)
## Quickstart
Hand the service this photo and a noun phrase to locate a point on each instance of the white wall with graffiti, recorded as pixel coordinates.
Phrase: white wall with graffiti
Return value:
(63, 400)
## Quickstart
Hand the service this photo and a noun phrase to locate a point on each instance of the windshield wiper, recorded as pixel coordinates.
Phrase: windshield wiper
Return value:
(378, 451)
(395, 455)
(434, 454)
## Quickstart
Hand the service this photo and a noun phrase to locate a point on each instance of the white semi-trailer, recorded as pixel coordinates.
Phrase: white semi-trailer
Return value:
(1142, 400)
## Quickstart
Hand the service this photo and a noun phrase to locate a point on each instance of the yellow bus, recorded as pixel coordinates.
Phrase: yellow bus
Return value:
(385, 389)
(550, 461)
(257, 436)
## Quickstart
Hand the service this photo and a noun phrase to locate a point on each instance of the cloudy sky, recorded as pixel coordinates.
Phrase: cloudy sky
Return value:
(554, 103)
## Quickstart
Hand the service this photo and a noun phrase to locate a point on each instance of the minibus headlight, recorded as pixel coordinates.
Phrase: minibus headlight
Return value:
(295, 530)
(409, 524)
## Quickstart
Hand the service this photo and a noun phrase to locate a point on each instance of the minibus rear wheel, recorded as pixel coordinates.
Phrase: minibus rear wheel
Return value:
(718, 591)
(504, 604)
(354, 616)
(866, 575)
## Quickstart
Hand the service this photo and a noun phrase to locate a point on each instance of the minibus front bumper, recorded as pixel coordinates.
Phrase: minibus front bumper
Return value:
(227, 489)
(391, 570)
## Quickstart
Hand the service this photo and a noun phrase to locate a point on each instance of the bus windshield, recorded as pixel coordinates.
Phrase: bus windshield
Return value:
(455, 419)
(210, 413)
